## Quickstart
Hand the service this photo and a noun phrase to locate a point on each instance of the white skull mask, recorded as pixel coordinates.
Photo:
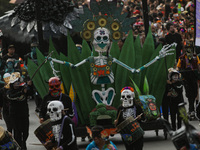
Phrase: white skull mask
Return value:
(127, 97)
(101, 40)
(54, 110)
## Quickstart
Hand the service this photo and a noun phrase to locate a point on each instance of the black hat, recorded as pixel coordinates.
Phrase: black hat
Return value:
(96, 131)
(11, 46)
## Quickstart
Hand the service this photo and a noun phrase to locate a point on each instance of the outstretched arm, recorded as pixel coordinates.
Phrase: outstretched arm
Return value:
(165, 51)
(67, 63)
(60, 61)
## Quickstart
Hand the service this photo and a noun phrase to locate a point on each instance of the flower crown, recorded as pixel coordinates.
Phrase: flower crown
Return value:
(127, 88)
(102, 14)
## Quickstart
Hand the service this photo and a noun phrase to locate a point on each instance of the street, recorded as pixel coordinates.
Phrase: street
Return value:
(151, 141)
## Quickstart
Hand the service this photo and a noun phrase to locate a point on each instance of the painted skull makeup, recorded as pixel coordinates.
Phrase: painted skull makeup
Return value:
(101, 40)
(54, 110)
(175, 77)
(127, 97)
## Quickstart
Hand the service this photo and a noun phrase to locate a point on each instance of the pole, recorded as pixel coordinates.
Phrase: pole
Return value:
(145, 16)
(39, 26)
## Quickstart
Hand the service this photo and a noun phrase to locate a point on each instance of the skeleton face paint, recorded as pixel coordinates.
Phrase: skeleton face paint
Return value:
(54, 110)
(175, 77)
(101, 40)
(127, 97)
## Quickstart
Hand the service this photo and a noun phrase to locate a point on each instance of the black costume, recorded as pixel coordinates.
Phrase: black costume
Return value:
(65, 99)
(5, 104)
(67, 139)
(174, 100)
(187, 69)
(125, 112)
(19, 113)
(176, 37)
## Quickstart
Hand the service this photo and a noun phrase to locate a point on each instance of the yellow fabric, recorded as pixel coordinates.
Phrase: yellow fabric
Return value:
(72, 93)
(62, 88)
(179, 61)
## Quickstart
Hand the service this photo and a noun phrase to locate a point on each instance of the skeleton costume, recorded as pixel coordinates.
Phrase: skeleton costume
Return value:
(62, 127)
(127, 109)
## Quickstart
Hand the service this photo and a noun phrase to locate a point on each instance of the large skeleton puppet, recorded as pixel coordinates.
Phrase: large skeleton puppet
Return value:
(103, 26)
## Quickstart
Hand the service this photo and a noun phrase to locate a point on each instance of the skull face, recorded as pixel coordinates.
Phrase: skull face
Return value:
(101, 40)
(127, 97)
(54, 110)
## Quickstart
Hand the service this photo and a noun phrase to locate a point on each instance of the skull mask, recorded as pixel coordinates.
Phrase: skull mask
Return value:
(54, 110)
(101, 40)
(127, 97)
(54, 86)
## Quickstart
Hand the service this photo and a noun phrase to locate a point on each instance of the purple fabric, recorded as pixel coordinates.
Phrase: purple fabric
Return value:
(75, 118)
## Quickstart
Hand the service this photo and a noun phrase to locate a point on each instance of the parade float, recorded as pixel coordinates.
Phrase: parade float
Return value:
(95, 76)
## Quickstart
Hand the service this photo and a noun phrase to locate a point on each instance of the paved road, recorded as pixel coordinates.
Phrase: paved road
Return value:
(151, 141)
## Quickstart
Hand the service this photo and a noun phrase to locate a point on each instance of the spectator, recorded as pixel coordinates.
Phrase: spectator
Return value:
(172, 37)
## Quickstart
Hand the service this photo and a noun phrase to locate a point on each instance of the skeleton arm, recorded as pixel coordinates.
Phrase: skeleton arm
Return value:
(165, 51)
(124, 65)
(67, 63)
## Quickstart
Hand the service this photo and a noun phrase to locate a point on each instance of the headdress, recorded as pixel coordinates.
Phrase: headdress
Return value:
(102, 14)
(127, 88)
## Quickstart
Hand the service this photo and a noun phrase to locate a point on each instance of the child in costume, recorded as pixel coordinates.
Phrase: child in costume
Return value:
(98, 142)
(127, 109)
(175, 95)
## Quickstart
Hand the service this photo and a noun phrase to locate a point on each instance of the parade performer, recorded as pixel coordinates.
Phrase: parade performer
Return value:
(102, 29)
(127, 109)
(5, 103)
(19, 110)
(55, 94)
(100, 143)
(62, 126)
(187, 64)
(175, 95)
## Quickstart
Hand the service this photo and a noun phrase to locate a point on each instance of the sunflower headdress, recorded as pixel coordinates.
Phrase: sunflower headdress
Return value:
(102, 14)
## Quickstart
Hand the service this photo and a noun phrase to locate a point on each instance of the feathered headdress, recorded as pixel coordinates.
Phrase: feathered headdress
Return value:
(103, 14)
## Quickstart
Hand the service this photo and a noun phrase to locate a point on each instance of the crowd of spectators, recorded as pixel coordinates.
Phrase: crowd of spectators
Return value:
(180, 13)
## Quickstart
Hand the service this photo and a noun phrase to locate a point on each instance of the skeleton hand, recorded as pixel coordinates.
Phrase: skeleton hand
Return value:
(165, 51)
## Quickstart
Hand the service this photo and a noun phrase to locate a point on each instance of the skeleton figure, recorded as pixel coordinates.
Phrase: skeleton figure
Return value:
(101, 66)
(127, 98)
(54, 110)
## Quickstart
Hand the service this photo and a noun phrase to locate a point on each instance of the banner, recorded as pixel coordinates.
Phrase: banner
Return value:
(197, 39)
